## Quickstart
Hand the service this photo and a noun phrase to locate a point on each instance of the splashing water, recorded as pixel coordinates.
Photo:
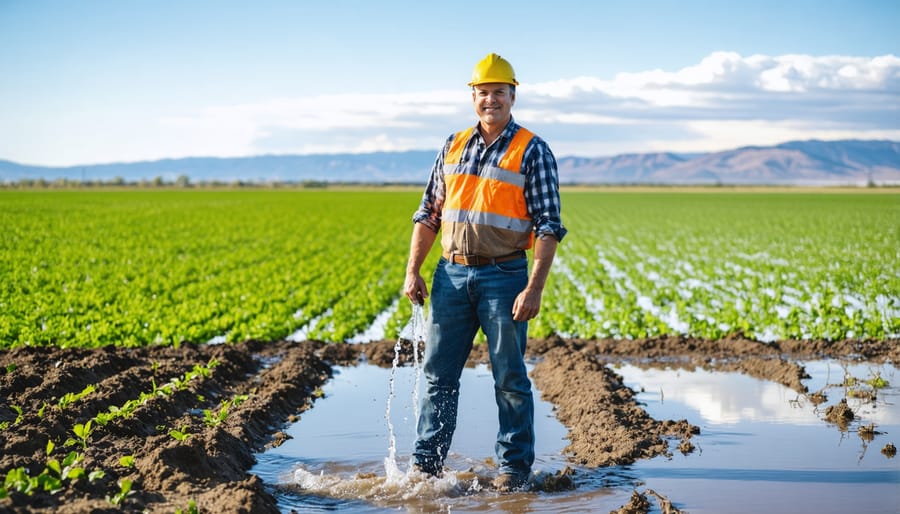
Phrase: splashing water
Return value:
(396, 485)
(414, 333)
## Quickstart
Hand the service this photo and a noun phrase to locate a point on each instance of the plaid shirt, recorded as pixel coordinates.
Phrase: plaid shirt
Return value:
(538, 166)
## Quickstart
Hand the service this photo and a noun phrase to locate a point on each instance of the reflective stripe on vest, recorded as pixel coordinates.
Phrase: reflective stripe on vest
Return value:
(494, 198)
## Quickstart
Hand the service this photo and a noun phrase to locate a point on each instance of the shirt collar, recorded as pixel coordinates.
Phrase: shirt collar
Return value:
(508, 132)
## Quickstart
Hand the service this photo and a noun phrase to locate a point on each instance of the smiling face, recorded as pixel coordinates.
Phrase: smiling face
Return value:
(493, 103)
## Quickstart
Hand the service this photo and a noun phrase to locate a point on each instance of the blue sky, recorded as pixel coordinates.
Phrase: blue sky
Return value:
(110, 81)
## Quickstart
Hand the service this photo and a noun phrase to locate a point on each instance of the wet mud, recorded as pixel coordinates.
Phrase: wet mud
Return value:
(182, 425)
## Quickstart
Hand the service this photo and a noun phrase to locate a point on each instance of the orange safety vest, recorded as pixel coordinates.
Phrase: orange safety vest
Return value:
(485, 214)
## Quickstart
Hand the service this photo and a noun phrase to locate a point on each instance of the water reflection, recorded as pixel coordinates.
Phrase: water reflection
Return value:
(722, 398)
(766, 448)
(762, 447)
(336, 457)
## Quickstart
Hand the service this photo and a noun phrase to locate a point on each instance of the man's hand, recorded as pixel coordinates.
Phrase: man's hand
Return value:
(415, 289)
(527, 305)
(414, 286)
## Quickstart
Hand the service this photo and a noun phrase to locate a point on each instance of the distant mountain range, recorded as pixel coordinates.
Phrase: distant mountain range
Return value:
(850, 162)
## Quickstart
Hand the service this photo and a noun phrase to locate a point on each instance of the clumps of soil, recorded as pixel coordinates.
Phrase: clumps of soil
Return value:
(817, 398)
(638, 504)
(840, 414)
(557, 482)
(665, 506)
(867, 432)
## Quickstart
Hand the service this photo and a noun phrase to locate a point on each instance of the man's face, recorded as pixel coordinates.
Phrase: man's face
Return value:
(493, 103)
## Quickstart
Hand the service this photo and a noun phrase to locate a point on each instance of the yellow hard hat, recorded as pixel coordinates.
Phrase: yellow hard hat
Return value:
(491, 69)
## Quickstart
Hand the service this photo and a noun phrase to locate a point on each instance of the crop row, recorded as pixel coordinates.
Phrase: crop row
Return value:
(58, 423)
(138, 268)
(770, 266)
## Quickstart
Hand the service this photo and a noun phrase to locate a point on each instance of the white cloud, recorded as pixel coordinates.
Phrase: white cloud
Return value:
(724, 101)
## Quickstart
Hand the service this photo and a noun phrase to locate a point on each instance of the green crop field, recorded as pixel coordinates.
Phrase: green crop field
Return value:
(89, 268)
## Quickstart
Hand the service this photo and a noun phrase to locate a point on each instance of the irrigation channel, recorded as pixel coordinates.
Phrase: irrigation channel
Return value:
(762, 448)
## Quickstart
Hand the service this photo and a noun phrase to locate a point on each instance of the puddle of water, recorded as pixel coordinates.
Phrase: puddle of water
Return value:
(766, 448)
(762, 448)
(339, 444)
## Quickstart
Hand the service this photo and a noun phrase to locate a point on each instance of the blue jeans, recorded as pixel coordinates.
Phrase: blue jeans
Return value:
(464, 298)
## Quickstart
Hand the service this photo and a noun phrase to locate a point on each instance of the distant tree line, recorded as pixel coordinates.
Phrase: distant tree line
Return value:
(181, 182)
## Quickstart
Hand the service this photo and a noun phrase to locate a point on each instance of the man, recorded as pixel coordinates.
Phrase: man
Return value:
(493, 193)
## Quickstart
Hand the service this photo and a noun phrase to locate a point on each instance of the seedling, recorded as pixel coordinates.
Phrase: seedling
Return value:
(878, 382)
(67, 470)
(19, 415)
(127, 461)
(17, 479)
(213, 420)
(51, 479)
(82, 432)
(102, 418)
(69, 398)
(124, 490)
(180, 435)
(191, 509)
(10, 367)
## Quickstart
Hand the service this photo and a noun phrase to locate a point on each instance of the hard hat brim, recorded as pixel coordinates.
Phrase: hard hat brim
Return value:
(489, 80)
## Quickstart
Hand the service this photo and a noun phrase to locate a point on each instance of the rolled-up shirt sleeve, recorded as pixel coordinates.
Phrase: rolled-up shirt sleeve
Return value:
(542, 190)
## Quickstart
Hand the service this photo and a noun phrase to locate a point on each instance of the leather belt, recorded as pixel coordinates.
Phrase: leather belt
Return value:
(478, 260)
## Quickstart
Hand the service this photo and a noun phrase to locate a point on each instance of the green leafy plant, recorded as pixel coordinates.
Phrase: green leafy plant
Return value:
(191, 508)
(124, 490)
(878, 382)
(17, 479)
(699, 265)
(180, 435)
(83, 432)
(213, 419)
(52, 479)
(19, 414)
(126, 461)
(70, 398)
(67, 470)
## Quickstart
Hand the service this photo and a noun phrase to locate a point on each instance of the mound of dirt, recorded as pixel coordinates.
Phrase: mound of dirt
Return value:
(606, 425)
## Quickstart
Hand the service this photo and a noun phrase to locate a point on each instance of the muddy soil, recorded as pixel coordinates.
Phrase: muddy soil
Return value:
(192, 417)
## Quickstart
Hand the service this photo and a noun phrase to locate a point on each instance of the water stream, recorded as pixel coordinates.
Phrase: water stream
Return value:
(762, 448)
